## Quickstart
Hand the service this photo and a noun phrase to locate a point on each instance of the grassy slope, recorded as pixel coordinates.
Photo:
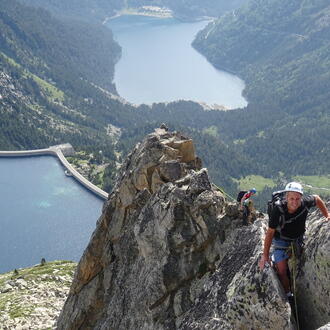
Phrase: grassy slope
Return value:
(34, 296)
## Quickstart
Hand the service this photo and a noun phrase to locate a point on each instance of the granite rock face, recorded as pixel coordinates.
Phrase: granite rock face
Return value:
(313, 283)
(237, 295)
(169, 252)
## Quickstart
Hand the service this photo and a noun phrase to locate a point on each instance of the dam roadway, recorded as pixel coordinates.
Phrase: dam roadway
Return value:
(59, 151)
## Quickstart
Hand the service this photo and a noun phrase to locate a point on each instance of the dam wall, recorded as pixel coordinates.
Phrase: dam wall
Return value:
(59, 151)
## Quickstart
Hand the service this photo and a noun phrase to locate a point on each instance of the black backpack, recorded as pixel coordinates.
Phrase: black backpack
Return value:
(240, 195)
(276, 201)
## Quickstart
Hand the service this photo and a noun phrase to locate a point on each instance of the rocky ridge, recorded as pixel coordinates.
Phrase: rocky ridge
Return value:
(169, 252)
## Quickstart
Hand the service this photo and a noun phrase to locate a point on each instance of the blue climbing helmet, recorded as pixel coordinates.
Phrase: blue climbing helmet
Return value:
(253, 190)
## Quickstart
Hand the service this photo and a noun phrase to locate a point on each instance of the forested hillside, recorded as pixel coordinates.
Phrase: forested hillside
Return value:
(55, 48)
(282, 50)
(49, 71)
(189, 9)
(86, 10)
(98, 10)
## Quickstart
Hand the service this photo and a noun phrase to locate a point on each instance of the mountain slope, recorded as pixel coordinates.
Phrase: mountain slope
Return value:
(282, 50)
(98, 10)
(87, 10)
(53, 48)
(48, 72)
(33, 297)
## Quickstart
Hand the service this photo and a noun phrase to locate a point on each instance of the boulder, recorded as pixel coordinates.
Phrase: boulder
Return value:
(6, 288)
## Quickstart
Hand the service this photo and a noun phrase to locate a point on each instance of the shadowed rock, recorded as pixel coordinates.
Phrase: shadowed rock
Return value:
(313, 284)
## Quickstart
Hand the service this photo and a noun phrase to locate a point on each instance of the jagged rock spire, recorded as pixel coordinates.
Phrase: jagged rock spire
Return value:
(166, 255)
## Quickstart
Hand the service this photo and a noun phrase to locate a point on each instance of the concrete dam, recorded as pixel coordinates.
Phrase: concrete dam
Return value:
(59, 151)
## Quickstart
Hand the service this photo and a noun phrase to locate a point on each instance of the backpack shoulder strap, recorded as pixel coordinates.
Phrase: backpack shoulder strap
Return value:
(283, 221)
(279, 206)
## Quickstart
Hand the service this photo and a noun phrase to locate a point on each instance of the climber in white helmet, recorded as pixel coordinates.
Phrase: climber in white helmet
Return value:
(286, 225)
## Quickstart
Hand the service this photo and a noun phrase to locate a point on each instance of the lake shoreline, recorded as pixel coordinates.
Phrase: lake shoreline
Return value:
(163, 13)
(147, 42)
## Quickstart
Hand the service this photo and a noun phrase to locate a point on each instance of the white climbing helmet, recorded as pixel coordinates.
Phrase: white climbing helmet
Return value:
(294, 186)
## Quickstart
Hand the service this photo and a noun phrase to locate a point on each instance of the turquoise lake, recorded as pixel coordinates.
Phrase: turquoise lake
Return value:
(44, 213)
(158, 64)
